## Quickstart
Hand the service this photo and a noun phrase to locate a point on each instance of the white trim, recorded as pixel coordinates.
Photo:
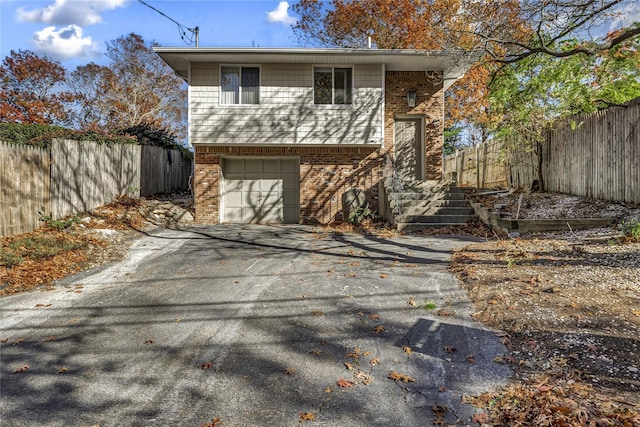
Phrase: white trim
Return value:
(384, 105)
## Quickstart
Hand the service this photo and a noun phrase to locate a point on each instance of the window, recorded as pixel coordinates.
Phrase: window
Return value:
(332, 85)
(240, 85)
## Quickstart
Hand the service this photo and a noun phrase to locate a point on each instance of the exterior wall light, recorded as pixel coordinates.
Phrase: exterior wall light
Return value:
(411, 98)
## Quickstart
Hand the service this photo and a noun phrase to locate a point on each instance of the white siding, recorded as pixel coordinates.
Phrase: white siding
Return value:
(286, 114)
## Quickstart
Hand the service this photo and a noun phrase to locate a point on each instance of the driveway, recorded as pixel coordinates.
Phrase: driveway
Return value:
(254, 325)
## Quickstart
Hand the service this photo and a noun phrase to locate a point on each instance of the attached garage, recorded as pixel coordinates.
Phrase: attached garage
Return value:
(260, 190)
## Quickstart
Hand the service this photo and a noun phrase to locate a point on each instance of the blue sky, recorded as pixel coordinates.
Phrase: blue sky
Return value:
(75, 31)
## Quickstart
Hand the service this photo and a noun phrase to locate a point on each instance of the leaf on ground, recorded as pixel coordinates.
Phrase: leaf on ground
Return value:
(357, 352)
(374, 317)
(206, 365)
(316, 352)
(305, 416)
(480, 418)
(471, 359)
(396, 376)
(406, 349)
(44, 305)
(449, 349)
(378, 329)
(328, 390)
(363, 377)
(289, 371)
(21, 369)
(216, 422)
(62, 370)
(349, 366)
(592, 348)
(316, 312)
(150, 341)
(350, 274)
(374, 361)
(50, 338)
(4, 340)
(383, 276)
(442, 389)
(412, 303)
(354, 264)
(342, 383)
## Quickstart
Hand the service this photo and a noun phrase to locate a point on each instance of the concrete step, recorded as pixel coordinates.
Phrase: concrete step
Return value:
(437, 219)
(417, 226)
(437, 210)
(433, 203)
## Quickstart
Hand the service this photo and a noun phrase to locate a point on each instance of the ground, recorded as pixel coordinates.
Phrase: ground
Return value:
(567, 303)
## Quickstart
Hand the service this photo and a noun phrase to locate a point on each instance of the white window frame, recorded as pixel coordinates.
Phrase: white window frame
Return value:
(240, 67)
(333, 88)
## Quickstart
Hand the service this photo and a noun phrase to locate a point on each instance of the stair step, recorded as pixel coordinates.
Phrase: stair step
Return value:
(437, 210)
(417, 226)
(433, 203)
(453, 219)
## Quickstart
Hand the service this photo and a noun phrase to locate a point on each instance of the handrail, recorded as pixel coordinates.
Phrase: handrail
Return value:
(397, 186)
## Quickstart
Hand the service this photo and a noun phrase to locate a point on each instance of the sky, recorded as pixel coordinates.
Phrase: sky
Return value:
(75, 32)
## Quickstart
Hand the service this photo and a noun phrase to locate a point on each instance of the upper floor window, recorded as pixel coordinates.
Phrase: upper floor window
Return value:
(240, 85)
(332, 85)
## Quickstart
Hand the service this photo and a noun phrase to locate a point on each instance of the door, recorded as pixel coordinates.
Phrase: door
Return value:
(260, 190)
(408, 149)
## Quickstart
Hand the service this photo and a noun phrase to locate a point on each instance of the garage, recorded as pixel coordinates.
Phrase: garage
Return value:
(260, 190)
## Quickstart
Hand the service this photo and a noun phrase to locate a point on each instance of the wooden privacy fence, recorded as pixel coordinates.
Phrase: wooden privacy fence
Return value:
(595, 155)
(73, 177)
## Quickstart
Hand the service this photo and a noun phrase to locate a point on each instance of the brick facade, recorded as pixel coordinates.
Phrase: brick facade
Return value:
(327, 172)
(429, 105)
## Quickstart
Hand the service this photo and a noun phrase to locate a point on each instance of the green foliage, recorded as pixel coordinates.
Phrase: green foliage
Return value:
(452, 140)
(360, 214)
(42, 135)
(429, 305)
(58, 224)
(36, 247)
(630, 228)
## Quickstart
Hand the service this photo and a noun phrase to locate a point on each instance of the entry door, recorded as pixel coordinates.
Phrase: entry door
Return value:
(409, 149)
(260, 190)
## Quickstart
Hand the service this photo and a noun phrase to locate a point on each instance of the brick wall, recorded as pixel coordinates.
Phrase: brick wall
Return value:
(429, 104)
(325, 174)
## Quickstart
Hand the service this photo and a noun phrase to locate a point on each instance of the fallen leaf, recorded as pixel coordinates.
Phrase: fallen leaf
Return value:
(150, 341)
(50, 338)
(4, 340)
(22, 369)
(592, 348)
(344, 383)
(449, 349)
(378, 329)
(18, 341)
(349, 366)
(62, 370)
(471, 359)
(480, 418)
(354, 264)
(350, 274)
(357, 352)
(316, 352)
(412, 303)
(442, 389)
(383, 276)
(206, 365)
(374, 317)
(316, 312)
(328, 390)
(306, 416)
(400, 377)
(363, 376)
(289, 371)
(374, 361)
(213, 423)
(406, 349)
(44, 305)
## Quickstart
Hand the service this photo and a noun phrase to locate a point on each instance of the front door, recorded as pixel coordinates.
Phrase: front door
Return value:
(409, 149)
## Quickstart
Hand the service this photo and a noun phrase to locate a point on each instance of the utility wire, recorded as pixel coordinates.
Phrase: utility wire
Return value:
(182, 30)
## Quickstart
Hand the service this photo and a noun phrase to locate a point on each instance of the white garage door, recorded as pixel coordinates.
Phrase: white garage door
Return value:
(260, 190)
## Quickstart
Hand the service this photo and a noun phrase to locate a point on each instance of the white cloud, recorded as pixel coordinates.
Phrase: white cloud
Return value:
(64, 43)
(281, 14)
(67, 12)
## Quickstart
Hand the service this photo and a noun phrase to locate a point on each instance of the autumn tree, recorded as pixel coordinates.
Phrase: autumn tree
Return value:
(137, 89)
(32, 90)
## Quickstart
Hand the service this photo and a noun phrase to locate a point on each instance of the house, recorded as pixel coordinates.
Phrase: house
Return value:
(280, 134)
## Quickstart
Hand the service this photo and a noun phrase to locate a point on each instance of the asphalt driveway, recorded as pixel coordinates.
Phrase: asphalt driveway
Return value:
(254, 325)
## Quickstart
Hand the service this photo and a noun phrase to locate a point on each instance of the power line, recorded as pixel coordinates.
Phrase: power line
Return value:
(195, 32)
